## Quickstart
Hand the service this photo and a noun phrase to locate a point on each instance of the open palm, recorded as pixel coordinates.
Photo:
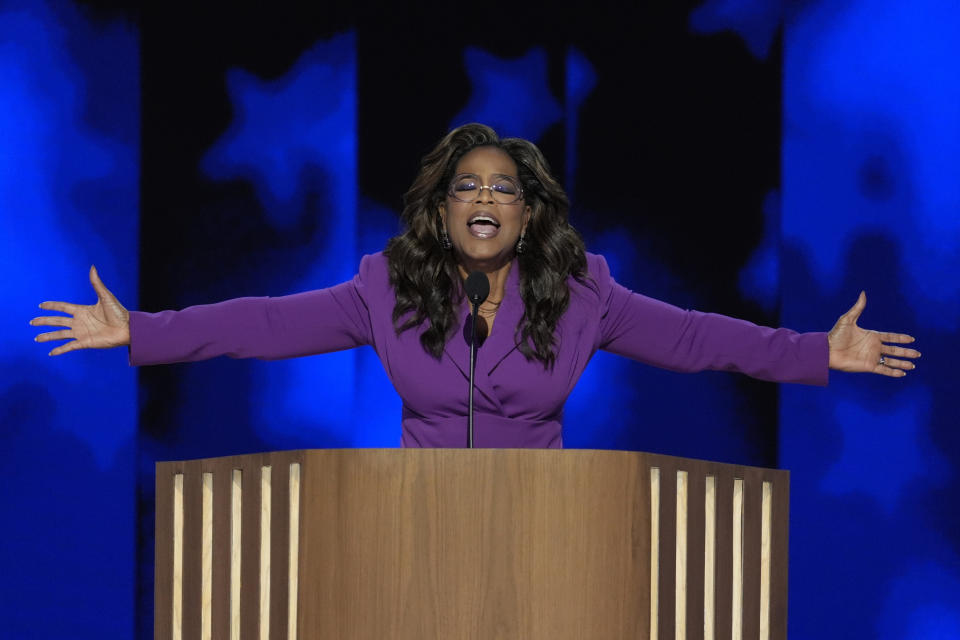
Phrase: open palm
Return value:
(98, 326)
(853, 348)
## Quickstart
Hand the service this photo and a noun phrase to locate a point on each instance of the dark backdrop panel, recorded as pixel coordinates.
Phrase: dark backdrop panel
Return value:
(670, 166)
(277, 147)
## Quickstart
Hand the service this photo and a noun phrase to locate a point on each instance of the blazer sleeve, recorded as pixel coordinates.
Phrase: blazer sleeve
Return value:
(666, 336)
(269, 328)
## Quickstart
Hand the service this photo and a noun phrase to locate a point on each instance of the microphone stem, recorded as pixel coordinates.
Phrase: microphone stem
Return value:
(473, 366)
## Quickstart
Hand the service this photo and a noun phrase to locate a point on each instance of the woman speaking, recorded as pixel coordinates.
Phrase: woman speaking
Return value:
(480, 204)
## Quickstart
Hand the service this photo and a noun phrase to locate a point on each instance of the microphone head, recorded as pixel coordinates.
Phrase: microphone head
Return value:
(477, 287)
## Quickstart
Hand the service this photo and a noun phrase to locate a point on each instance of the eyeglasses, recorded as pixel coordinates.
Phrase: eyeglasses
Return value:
(467, 187)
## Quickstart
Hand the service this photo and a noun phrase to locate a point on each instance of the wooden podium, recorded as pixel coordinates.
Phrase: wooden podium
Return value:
(469, 544)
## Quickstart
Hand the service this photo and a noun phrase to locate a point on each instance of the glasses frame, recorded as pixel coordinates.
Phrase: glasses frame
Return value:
(453, 181)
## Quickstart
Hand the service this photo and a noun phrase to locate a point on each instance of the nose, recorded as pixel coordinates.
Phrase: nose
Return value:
(489, 197)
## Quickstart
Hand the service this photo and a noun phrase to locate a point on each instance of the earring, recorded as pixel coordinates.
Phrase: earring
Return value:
(445, 243)
(521, 245)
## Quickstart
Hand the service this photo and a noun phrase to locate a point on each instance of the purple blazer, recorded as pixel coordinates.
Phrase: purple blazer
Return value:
(517, 403)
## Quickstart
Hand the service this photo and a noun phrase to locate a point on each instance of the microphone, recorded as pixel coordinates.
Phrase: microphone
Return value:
(477, 288)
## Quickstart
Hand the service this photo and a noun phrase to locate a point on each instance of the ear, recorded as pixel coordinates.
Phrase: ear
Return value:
(442, 214)
(527, 212)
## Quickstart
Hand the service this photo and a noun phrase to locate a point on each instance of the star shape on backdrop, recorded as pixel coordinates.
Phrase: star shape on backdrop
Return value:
(512, 96)
(293, 138)
(877, 438)
(756, 21)
(285, 127)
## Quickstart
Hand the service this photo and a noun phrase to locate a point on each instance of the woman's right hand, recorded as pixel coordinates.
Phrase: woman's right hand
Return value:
(98, 326)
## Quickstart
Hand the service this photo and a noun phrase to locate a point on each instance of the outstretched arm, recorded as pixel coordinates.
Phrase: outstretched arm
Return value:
(102, 325)
(861, 350)
(302, 324)
(666, 336)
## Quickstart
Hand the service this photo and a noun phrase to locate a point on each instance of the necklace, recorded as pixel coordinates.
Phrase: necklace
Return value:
(491, 309)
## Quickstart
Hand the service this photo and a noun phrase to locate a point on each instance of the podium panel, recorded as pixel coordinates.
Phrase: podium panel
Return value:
(461, 543)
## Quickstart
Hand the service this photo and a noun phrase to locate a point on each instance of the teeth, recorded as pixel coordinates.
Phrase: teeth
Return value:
(485, 219)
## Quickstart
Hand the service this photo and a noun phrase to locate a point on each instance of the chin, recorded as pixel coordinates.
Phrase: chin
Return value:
(485, 258)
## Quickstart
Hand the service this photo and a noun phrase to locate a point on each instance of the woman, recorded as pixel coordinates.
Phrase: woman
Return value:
(482, 204)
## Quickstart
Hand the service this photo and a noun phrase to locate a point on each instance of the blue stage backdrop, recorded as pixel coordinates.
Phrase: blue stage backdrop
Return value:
(871, 200)
(275, 150)
(69, 167)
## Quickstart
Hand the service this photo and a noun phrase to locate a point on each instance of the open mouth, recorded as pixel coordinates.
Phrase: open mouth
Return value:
(483, 226)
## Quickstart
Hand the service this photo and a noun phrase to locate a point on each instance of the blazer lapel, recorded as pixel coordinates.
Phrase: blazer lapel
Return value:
(458, 351)
(502, 340)
(498, 345)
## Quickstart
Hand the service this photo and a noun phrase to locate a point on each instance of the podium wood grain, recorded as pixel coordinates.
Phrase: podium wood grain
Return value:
(475, 544)
(472, 544)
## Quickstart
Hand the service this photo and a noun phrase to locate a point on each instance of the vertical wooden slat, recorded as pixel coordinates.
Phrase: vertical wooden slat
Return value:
(766, 528)
(250, 550)
(680, 557)
(655, 494)
(266, 513)
(236, 550)
(710, 557)
(176, 597)
(163, 552)
(724, 580)
(279, 544)
(779, 549)
(695, 553)
(752, 521)
(220, 601)
(293, 558)
(206, 555)
(736, 614)
(192, 547)
(668, 550)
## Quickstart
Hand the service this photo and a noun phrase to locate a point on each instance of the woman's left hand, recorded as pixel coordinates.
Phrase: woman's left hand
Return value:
(861, 350)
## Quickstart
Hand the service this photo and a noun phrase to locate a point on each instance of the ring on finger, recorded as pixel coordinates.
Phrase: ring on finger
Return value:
(883, 361)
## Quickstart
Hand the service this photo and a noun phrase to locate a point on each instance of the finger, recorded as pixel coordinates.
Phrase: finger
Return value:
(896, 338)
(52, 321)
(98, 286)
(66, 307)
(54, 335)
(899, 352)
(64, 348)
(899, 364)
(857, 307)
(889, 371)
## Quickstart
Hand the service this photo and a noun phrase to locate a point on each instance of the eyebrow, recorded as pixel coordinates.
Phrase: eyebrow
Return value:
(492, 175)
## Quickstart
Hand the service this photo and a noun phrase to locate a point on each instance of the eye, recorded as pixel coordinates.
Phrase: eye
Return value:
(465, 183)
(505, 185)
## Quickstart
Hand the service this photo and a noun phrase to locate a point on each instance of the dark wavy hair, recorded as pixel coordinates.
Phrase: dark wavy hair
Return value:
(425, 278)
